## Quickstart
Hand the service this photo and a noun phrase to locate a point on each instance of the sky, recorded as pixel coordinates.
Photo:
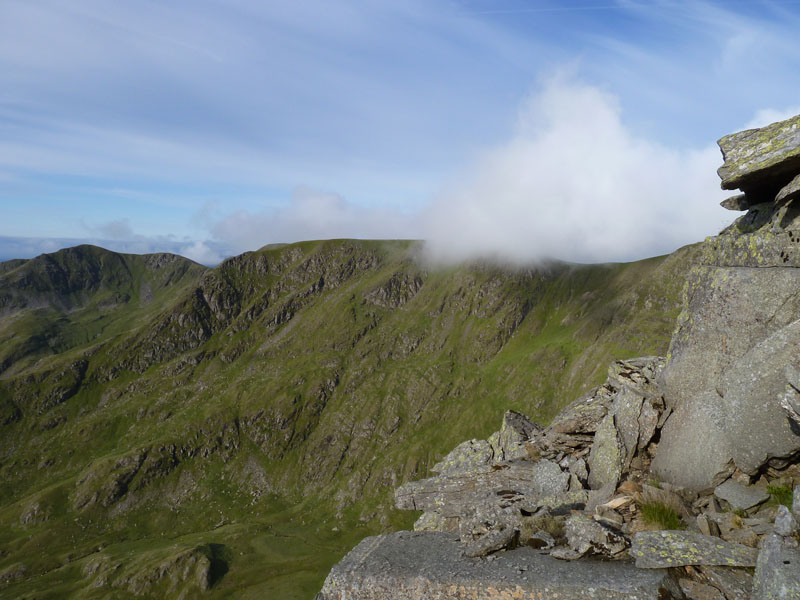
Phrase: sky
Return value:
(517, 129)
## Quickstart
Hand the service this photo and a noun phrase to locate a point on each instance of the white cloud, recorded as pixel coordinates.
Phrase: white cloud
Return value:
(202, 253)
(766, 116)
(575, 183)
(312, 215)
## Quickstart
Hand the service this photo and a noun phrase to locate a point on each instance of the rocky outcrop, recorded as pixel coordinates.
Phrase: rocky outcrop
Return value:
(740, 326)
(679, 464)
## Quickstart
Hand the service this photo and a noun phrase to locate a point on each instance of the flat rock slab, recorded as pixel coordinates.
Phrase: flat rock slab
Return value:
(661, 549)
(416, 566)
(740, 495)
(756, 155)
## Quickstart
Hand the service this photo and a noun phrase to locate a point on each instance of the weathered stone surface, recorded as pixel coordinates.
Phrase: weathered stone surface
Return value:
(421, 566)
(587, 536)
(639, 374)
(737, 202)
(660, 549)
(516, 430)
(695, 590)
(431, 520)
(549, 479)
(778, 572)
(648, 422)
(733, 337)
(785, 523)
(452, 496)
(488, 527)
(736, 584)
(739, 495)
(585, 414)
(790, 191)
(796, 503)
(756, 157)
(607, 455)
(627, 408)
(466, 457)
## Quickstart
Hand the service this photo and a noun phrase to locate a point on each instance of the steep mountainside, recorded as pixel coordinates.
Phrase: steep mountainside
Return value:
(167, 427)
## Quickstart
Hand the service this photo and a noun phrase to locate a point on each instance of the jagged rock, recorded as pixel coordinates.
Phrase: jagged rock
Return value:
(549, 479)
(627, 409)
(639, 374)
(755, 158)
(420, 566)
(737, 202)
(587, 536)
(704, 524)
(790, 191)
(796, 502)
(454, 495)
(777, 572)
(661, 549)
(560, 503)
(789, 400)
(648, 422)
(607, 455)
(488, 527)
(785, 523)
(510, 442)
(739, 495)
(466, 457)
(736, 584)
(580, 470)
(695, 590)
(541, 540)
(585, 414)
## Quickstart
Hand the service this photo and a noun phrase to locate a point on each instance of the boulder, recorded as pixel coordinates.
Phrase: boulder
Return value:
(510, 442)
(735, 584)
(777, 572)
(587, 536)
(758, 158)
(737, 202)
(418, 566)
(549, 479)
(467, 457)
(790, 191)
(661, 549)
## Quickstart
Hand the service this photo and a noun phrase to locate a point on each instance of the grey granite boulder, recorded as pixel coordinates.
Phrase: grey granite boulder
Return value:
(419, 566)
(661, 549)
(755, 158)
(778, 572)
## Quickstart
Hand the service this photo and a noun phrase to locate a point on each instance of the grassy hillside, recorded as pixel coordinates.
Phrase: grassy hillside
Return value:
(166, 427)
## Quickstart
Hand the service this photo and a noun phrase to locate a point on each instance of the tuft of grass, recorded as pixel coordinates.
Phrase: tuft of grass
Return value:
(780, 494)
(660, 515)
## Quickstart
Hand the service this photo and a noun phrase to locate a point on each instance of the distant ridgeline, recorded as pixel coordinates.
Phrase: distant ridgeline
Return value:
(167, 429)
(683, 470)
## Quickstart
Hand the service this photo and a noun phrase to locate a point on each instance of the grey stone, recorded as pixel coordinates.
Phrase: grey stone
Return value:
(737, 202)
(454, 495)
(661, 549)
(541, 540)
(778, 572)
(704, 524)
(488, 527)
(579, 469)
(638, 374)
(585, 414)
(785, 523)
(560, 503)
(549, 479)
(755, 158)
(627, 408)
(587, 536)
(465, 458)
(431, 520)
(790, 191)
(516, 430)
(736, 584)
(789, 401)
(607, 455)
(417, 566)
(796, 502)
(741, 496)
(648, 423)
(695, 590)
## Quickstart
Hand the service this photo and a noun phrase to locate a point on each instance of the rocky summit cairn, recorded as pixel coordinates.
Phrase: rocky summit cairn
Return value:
(679, 477)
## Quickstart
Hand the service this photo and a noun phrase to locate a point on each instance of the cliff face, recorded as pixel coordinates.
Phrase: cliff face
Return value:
(173, 425)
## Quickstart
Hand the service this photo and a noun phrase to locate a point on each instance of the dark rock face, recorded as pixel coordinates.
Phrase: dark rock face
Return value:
(415, 565)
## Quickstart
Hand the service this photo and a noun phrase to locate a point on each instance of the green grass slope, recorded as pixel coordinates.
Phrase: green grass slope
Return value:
(239, 431)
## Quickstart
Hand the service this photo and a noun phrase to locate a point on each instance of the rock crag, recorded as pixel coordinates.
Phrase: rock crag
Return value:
(673, 479)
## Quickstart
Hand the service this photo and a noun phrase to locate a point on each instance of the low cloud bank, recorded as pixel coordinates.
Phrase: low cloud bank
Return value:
(575, 183)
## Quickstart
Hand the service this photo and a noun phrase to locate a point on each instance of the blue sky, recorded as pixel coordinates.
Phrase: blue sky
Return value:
(583, 130)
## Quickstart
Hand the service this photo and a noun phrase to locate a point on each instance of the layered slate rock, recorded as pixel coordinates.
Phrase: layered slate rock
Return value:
(755, 158)
(419, 566)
